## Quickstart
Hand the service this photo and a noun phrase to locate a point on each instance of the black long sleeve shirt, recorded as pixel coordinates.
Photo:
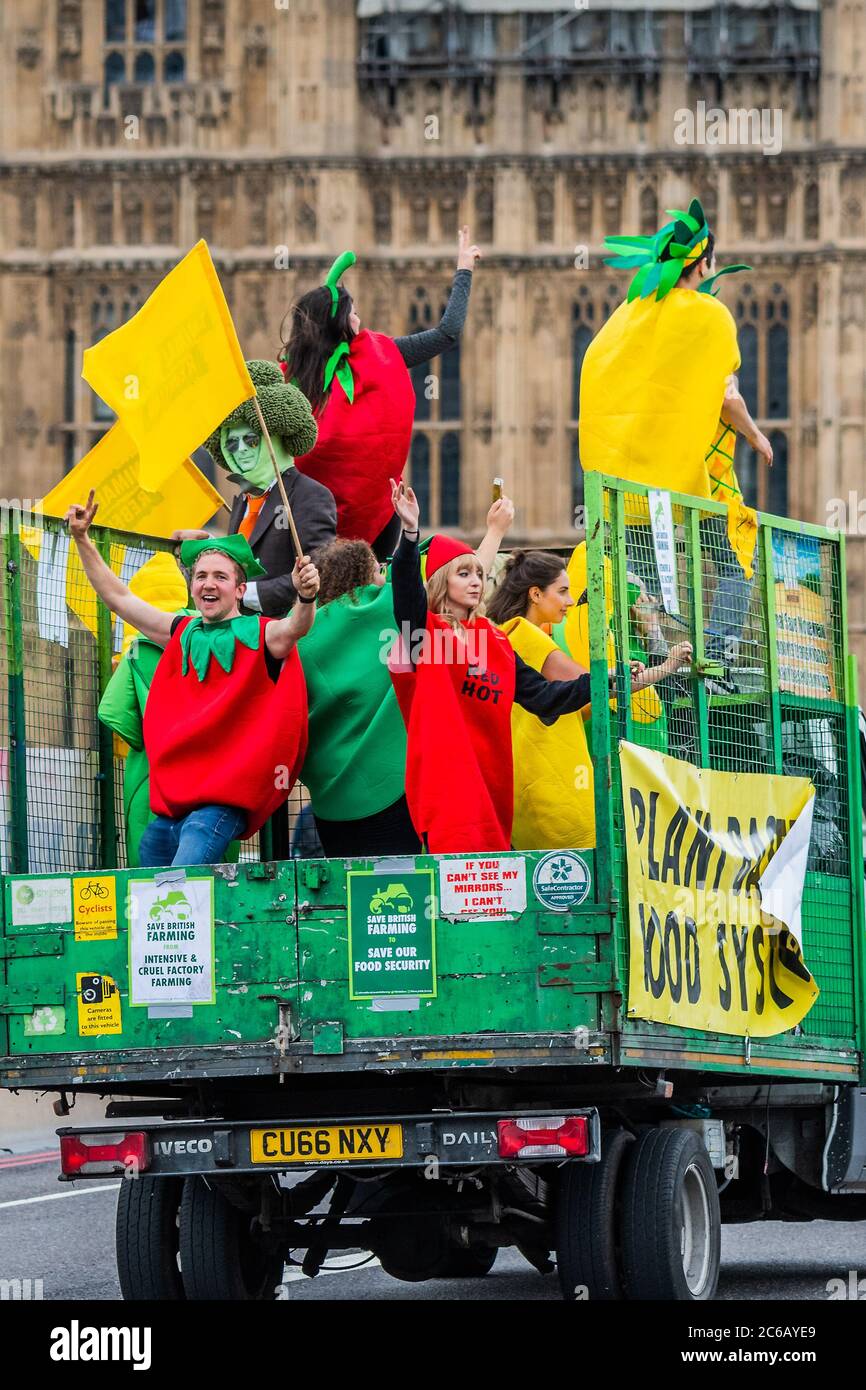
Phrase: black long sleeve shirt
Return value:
(546, 699)
(416, 348)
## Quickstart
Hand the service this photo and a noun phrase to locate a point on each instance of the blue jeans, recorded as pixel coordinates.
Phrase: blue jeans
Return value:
(202, 837)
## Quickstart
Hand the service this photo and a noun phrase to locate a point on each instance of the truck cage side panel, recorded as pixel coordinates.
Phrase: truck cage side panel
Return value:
(538, 988)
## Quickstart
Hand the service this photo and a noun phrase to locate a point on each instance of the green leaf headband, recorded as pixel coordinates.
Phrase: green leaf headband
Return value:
(340, 266)
(661, 259)
(338, 364)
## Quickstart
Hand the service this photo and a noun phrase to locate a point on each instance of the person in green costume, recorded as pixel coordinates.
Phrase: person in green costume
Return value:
(355, 767)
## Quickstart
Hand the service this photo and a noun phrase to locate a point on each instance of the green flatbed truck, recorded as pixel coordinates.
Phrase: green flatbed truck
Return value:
(433, 1058)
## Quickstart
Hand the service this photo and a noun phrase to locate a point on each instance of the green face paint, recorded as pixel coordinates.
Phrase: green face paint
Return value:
(246, 456)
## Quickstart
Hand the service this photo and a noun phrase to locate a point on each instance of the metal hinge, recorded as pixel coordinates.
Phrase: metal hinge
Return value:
(23, 999)
(45, 944)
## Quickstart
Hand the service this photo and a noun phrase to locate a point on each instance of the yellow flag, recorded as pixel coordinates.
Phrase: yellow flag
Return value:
(111, 469)
(175, 370)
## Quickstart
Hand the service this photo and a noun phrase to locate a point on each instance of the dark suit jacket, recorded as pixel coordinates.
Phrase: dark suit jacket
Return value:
(315, 513)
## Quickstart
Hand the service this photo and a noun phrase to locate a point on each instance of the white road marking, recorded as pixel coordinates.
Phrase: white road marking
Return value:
(56, 1196)
(339, 1264)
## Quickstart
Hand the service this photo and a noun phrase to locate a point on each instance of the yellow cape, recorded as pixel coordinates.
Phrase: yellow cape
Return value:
(553, 779)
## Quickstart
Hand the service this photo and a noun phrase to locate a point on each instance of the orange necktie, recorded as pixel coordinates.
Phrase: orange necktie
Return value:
(254, 506)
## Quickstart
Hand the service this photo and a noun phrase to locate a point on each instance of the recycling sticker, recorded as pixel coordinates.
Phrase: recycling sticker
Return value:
(45, 1021)
(561, 880)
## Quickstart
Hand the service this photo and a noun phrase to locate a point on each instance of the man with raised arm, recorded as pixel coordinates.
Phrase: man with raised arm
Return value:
(225, 725)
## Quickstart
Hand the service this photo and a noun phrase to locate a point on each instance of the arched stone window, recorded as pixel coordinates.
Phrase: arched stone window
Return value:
(144, 41)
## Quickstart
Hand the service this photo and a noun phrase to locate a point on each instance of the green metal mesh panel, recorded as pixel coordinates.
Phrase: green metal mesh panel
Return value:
(771, 655)
(71, 765)
(5, 789)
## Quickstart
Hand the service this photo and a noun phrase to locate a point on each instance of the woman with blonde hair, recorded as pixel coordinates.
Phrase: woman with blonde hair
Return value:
(457, 679)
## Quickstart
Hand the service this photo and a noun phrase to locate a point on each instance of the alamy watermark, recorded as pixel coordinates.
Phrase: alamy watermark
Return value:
(21, 1290)
(738, 125)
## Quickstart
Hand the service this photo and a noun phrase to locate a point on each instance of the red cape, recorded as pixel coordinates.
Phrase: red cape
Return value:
(362, 445)
(459, 777)
(223, 741)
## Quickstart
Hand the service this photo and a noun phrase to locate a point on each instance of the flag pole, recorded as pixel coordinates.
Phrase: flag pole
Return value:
(280, 484)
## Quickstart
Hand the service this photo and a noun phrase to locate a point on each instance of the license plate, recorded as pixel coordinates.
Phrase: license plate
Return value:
(327, 1144)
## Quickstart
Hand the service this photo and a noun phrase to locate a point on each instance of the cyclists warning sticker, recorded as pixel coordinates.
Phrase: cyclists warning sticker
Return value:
(94, 908)
(98, 1005)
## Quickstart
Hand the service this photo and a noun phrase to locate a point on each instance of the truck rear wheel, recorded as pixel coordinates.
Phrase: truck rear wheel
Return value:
(586, 1225)
(219, 1256)
(671, 1229)
(146, 1239)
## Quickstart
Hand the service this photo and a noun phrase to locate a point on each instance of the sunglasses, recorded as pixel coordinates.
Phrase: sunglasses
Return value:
(249, 441)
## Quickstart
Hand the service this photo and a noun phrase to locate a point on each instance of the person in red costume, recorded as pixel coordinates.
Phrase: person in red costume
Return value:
(227, 707)
(359, 386)
(456, 677)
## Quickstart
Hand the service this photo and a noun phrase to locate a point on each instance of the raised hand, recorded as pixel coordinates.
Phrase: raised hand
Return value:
(501, 515)
(468, 254)
(305, 577)
(405, 504)
(79, 519)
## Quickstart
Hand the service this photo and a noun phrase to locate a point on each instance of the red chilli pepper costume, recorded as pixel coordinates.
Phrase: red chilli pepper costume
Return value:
(223, 740)
(364, 443)
(459, 778)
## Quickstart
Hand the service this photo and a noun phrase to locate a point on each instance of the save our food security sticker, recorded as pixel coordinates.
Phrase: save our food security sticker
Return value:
(94, 908)
(98, 1005)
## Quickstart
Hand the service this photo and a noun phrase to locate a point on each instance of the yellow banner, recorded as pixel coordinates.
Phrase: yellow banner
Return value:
(702, 953)
(111, 469)
(175, 370)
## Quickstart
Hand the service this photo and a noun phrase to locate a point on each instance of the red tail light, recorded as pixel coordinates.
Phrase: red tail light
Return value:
(110, 1154)
(565, 1136)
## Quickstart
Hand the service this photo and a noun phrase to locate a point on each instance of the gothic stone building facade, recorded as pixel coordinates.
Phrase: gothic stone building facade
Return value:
(283, 131)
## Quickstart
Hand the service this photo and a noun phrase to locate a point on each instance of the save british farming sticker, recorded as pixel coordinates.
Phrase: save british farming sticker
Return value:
(561, 880)
(171, 950)
(392, 934)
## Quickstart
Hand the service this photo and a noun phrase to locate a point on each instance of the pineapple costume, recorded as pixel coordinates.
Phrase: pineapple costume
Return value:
(654, 377)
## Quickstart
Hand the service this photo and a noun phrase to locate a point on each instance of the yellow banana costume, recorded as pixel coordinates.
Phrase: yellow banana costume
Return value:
(654, 376)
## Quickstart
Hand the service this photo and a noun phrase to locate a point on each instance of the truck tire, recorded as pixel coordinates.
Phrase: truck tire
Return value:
(219, 1257)
(671, 1229)
(146, 1239)
(586, 1226)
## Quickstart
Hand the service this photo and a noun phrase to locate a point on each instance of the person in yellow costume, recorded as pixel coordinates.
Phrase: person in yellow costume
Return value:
(553, 774)
(656, 383)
